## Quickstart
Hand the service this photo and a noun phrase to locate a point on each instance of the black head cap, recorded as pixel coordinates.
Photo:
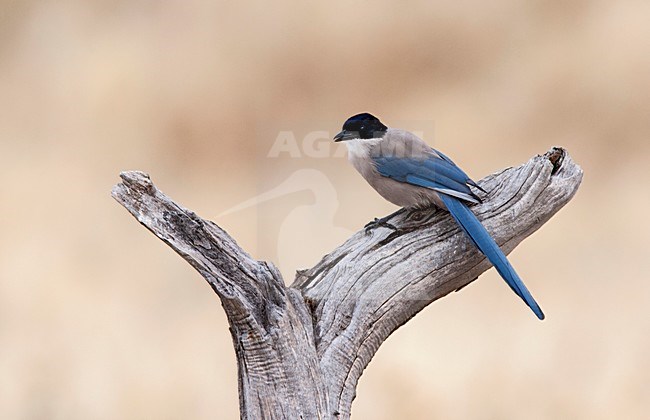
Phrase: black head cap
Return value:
(361, 126)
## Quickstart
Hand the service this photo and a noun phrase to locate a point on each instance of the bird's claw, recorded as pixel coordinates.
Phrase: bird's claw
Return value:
(378, 223)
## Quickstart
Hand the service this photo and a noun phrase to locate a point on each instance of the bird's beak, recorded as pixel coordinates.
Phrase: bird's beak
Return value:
(343, 136)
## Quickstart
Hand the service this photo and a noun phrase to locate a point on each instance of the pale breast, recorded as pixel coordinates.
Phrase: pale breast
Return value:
(399, 193)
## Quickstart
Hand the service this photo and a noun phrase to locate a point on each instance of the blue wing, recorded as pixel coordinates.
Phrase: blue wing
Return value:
(437, 173)
(443, 176)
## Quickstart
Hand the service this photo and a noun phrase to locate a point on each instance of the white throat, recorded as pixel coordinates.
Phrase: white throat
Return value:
(360, 148)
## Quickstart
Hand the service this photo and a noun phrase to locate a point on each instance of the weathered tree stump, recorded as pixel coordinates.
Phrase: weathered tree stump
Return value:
(301, 349)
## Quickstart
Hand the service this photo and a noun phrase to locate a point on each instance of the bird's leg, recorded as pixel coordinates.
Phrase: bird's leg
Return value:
(383, 222)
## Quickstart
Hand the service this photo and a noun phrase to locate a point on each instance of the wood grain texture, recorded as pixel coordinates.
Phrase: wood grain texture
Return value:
(301, 349)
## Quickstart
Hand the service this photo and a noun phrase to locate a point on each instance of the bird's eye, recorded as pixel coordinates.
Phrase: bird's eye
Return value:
(362, 127)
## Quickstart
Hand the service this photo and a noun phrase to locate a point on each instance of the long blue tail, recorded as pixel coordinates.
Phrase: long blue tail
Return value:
(484, 242)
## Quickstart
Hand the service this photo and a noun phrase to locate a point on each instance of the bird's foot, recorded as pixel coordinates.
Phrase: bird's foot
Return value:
(383, 222)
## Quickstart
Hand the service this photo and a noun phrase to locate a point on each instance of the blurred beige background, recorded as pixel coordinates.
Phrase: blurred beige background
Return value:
(100, 320)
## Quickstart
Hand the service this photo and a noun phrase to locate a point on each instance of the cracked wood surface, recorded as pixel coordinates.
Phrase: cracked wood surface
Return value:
(301, 349)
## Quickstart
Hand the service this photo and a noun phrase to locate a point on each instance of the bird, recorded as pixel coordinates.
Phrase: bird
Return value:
(406, 171)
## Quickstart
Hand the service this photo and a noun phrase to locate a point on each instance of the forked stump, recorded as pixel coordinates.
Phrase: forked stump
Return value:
(301, 349)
